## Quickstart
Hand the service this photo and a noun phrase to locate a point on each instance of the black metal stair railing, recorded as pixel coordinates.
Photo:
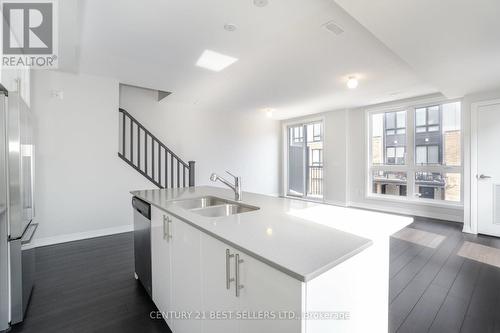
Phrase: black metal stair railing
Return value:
(150, 157)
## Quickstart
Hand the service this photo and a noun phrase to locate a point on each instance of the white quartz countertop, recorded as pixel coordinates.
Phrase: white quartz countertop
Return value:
(299, 247)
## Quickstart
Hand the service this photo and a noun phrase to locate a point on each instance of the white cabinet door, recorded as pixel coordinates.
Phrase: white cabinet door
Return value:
(266, 289)
(160, 262)
(186, 277)
(219, 300)
(190, 273)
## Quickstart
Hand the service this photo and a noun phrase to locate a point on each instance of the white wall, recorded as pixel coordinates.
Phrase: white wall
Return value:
(14, 79)
(336, 181)
(246, 143)
(82, 187)
(81, 184)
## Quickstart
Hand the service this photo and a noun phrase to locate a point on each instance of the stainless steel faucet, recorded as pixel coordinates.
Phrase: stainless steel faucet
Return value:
(236, 187)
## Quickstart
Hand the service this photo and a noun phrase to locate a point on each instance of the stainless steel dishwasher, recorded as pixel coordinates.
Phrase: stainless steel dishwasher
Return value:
(142, 242)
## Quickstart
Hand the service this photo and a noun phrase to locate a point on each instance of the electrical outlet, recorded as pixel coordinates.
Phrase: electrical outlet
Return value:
(58, 94)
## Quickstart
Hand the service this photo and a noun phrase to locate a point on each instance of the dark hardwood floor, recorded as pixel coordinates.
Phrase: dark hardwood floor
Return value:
(435, 290)
(88, 286)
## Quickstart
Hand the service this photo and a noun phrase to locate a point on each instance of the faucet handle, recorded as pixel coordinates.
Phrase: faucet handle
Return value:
(229, 173)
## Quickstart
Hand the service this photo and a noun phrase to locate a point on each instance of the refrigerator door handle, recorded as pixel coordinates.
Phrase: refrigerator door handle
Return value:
(33, 181)
(28, 235)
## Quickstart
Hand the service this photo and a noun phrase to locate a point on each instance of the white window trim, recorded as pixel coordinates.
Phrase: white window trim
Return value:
(410, 168)
(284, 146)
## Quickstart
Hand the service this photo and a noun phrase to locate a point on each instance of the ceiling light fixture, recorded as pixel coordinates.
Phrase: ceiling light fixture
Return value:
(352, 82)
(230, 27)
(268, 112)
(260, 3)
(333, 27)
(215, 61)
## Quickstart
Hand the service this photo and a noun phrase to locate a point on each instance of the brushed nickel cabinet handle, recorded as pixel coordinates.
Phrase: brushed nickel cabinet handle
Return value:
(167, 221)
(228, 269)
(169, 228)
(165, 227)
(237, 262)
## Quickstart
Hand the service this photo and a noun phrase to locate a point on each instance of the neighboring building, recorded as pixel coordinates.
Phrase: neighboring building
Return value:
(395, 138)
(377, 150)
(392, 183)
(452, 147)
(435, 144)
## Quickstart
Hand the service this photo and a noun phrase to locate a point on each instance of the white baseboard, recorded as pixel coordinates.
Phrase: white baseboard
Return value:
(468, 230)
(336, 203)
(81, 235)
(403, 211)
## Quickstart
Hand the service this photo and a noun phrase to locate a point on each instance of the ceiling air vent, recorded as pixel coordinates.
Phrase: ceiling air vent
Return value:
(333, 27)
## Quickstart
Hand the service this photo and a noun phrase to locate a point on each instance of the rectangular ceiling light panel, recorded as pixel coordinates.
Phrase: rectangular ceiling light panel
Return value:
(215, 61)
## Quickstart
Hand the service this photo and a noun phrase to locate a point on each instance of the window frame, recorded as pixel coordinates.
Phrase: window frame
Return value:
(410, 167)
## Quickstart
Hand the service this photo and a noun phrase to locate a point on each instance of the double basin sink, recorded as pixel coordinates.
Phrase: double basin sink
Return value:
(211, 206)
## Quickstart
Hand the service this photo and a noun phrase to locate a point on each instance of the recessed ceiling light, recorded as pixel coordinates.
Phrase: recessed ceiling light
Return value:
(352, 82)
(215, 61)
(230, 27)
(260, 3)
(333, 27)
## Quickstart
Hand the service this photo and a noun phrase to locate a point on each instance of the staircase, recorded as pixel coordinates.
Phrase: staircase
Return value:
(150, 157)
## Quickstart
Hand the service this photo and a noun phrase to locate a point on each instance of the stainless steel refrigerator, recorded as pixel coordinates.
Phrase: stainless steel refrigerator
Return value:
(17, 209)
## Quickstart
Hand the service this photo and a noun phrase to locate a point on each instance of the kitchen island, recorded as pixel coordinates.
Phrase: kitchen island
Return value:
(273, 265)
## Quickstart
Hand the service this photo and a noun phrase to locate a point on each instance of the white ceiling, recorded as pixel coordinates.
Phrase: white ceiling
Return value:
(287, 60)
(455, 44)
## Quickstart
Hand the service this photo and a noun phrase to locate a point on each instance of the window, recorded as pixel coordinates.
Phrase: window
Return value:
(389, 138)
(427, 119)
(390, 183)
(305, 160)
(314, 133)
(425, 165)
(427, 154)
(317, 156)
(388, 148)
(296, 135)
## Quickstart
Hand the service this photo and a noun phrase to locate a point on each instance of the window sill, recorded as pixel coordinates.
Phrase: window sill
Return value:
(319, 200)
(417, 202)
